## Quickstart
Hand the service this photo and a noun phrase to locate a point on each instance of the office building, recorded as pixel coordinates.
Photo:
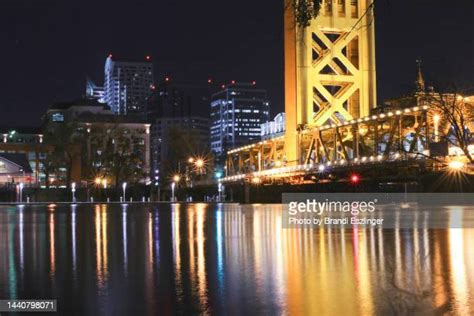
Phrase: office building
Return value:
(237, 112)
(102, 135)
(176, 132)
(168, 100)
(173, 140)
(127, 84)
(94, 91)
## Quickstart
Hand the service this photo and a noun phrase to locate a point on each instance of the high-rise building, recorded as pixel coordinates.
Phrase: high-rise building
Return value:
(174, 140)
(168, 100)
(237, 112)
(174, 126)
(93, 91)
(127, 84)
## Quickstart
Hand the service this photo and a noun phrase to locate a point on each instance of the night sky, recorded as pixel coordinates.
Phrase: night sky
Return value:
(48, 47)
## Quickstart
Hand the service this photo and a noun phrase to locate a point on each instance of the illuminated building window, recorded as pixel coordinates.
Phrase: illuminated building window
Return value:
(57, 117)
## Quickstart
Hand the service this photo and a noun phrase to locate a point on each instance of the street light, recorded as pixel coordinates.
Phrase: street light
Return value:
(73, 190)
(21, 192)
(104, 183)
(176, 179)
(456, 165)
(173, 185)
(124, 187)
(220, 189)
(97, 181)
(199, 163)
(191, 160)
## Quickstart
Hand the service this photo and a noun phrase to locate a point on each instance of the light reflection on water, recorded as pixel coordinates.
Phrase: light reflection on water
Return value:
(199, 258)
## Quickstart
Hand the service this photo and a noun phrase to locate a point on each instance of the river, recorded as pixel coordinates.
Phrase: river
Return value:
(148, 259)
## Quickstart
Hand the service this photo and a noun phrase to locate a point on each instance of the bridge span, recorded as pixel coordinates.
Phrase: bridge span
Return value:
(387, 140)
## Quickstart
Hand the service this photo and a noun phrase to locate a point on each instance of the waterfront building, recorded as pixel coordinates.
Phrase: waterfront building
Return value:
(127, 84)
(19, 145)
(237, 112)
(102, 141)
(274, 128)
(15, 168)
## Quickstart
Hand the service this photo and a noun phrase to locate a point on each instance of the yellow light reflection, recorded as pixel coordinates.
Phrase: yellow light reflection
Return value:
(101, 244)
(458, 267)
(201, 268)
(52, 245)
(175, 231)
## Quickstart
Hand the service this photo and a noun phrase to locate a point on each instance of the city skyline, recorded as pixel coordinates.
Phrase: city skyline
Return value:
(50, 55)
(296, 157)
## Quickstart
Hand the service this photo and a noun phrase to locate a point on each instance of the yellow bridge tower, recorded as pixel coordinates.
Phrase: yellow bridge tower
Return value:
(330, 73)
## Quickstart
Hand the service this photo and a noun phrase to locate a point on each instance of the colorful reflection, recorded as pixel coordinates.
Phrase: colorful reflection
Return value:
(101, 243)
(199, 258)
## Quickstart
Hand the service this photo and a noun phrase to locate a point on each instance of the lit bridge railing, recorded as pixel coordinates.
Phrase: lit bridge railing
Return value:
(388, 137)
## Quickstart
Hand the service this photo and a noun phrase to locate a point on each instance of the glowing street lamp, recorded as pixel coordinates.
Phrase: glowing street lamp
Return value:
(191, 160)
(21, 191)
(173, 186)
(199, 163)
(456, 165)
(73, 191)
(124, 187)
(104, 183)
(220, 188)
(97, 181)
(256, 180)
(176, 179)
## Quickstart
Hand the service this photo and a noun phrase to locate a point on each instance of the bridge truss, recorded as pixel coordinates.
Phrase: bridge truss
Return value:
(378, 139)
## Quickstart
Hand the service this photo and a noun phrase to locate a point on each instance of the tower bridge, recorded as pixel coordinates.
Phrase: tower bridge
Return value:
(330, 89)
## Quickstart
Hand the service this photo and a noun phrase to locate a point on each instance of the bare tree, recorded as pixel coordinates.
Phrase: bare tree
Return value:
(65, 140)
(452, 115)
(307, 10)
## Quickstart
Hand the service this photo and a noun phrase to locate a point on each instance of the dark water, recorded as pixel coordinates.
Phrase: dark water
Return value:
(191, 259)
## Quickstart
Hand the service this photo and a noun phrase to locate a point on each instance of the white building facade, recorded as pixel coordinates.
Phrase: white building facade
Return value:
(274, 128)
